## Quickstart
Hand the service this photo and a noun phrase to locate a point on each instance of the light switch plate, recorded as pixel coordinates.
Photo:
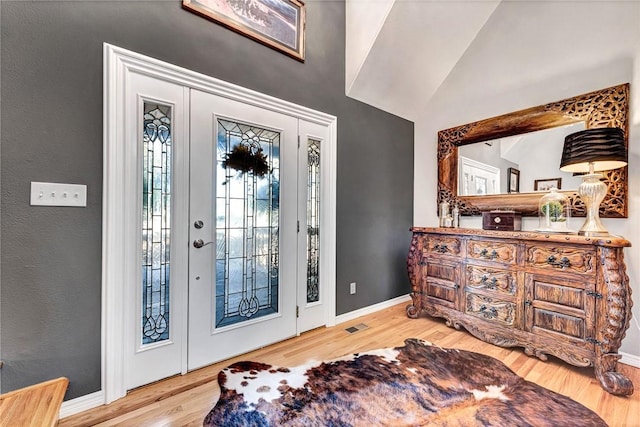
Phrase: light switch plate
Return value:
(55, 194)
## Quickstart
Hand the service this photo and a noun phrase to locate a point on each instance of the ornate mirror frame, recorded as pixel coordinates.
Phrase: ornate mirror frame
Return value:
(603, 108)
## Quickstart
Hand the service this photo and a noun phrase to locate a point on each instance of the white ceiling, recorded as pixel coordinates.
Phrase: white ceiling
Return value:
(416, 51)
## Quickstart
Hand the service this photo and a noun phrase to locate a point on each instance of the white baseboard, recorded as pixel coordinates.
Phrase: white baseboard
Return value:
(82, 403)
(371, 309)
(630, 359)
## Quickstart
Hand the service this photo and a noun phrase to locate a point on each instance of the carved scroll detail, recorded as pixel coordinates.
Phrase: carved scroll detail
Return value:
(604, 109)
(413, 267)
(613, 318)
(614, 315)
(490, 337)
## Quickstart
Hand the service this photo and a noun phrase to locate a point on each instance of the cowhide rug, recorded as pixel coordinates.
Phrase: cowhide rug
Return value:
(415, 385)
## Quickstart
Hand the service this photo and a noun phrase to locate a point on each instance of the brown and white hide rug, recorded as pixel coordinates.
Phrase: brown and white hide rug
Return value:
(418, 384)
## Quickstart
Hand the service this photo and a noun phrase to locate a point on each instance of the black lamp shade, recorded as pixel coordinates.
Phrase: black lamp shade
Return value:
(604, 147)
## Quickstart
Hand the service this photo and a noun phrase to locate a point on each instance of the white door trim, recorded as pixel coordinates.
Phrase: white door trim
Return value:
(116, 264)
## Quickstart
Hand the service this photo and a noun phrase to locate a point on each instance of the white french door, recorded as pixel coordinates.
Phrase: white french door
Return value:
(219, 220)
(243, 227)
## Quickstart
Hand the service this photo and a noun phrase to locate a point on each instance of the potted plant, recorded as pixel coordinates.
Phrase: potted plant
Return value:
(553, 211)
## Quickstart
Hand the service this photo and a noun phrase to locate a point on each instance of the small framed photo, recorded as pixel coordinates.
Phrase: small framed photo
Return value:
(278, 24)
(513, 180)
(547, 184)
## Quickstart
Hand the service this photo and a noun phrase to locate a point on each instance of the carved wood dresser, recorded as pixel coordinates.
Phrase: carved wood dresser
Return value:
(561, 295)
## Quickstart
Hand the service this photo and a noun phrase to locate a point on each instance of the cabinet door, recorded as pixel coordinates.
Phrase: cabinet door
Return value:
(441, 284)
(561, 309)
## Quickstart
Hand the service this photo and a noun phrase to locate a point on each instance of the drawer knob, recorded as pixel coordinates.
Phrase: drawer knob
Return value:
(440, 248)
(490, 284)
(497, 220)
(489, 313)
(563, 263)
(485, 254)
(593, 341)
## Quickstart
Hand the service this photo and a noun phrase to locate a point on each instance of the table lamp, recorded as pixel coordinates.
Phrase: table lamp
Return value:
(590, 151)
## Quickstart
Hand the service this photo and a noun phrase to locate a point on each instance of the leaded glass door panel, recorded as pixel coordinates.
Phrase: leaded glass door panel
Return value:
(312, 199)
(242, 260)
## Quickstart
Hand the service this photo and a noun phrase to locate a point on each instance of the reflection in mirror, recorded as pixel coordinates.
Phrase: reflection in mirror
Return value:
(477, 178)
(482, 167)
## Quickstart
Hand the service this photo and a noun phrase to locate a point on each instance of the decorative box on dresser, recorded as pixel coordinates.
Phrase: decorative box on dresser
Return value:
(561, 295)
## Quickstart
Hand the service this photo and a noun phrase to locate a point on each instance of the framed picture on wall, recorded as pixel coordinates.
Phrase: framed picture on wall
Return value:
(547, 184)
(513, 180)
(278, 24)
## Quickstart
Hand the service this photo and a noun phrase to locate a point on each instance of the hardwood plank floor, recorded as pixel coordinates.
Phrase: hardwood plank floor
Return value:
(185, 400)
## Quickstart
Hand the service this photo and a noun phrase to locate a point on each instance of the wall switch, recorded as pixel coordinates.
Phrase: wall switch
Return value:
(54, 194)
(352, 288)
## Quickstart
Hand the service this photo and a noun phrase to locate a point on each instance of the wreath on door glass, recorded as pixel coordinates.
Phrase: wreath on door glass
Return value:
(247, 158)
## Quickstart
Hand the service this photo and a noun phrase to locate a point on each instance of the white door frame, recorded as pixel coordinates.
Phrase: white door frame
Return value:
(118, 218)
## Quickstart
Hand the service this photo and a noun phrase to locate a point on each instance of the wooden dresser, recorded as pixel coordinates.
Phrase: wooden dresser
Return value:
(561, 295)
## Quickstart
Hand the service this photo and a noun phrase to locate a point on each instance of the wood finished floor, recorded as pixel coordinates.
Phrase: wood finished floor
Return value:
(185, 400)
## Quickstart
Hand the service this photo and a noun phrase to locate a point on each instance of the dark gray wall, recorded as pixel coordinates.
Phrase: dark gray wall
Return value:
(51, 94)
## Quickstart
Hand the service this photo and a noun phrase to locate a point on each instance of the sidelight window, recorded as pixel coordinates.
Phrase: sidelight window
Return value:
(156, 222)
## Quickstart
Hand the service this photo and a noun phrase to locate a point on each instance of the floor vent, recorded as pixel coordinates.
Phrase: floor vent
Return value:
(356, 328)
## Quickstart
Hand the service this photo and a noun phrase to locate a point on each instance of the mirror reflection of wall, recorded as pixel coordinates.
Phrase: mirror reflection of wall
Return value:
(536, 155)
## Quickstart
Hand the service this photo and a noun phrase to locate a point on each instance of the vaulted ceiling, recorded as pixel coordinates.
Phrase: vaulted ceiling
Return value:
(411, 51)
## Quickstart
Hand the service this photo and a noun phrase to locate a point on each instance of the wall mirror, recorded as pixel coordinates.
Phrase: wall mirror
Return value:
(507, 162)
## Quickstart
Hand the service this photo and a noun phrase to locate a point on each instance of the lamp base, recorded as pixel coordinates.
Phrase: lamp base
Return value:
(589, 233)
(592, 192)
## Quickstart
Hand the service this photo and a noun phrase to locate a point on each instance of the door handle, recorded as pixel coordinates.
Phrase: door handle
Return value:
(200, 243)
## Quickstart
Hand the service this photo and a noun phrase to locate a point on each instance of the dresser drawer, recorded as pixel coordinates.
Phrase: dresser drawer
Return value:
(491, 279)
(561, 259)
(491, 309)
(489, 250)
(443, 245)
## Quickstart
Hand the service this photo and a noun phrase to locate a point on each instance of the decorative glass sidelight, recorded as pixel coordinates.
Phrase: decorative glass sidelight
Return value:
(156, 221)
(313, 220)
(247, 221)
